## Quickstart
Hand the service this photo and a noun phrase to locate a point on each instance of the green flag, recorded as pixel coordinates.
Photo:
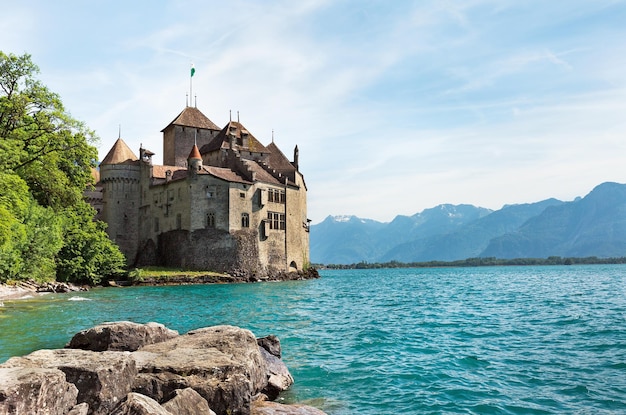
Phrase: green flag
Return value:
(193, 70)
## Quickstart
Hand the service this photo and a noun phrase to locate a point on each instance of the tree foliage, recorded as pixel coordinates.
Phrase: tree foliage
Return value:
(46, 227)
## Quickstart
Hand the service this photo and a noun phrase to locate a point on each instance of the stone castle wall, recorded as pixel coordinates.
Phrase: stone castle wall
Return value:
(120, 206)
(178, 141)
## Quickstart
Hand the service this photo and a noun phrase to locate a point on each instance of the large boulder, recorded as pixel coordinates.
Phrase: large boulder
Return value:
(103, 379)
(120, 336)
(137, 404)
(188, 402)
(35, 391)
(222, 363)
(273, 408)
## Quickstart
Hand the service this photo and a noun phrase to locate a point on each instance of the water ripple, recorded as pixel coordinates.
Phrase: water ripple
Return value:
(518, 340)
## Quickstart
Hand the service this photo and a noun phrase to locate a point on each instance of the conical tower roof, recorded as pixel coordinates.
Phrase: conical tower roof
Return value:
(119, 153)
(195, 153)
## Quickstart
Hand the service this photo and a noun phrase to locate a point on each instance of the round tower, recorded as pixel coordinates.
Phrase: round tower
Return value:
(120, 177)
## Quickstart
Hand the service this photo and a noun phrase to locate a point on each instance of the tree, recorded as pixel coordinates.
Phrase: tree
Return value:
(88, 254)
(39, 140)
(46, 158)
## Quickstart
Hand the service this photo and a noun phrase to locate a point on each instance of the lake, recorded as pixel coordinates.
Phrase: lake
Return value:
(493, 340)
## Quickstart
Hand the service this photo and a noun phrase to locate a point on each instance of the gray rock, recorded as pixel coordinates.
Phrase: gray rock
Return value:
(80, 409)
(271, 344)
(137, 404)
(273, 408)
(103, 379)
(222, 363)
(278, 377)
(120, 336)
(188, 402)
(35, 391)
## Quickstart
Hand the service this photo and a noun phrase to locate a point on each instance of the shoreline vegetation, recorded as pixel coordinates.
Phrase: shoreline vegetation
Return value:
(479, 262)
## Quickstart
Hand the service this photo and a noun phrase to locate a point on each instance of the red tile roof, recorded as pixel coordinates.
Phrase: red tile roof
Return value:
(195, 153)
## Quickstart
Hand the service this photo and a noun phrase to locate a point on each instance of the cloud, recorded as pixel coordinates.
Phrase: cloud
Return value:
(395, 106)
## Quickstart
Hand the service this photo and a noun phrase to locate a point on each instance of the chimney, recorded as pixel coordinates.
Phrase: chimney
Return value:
(296, 156)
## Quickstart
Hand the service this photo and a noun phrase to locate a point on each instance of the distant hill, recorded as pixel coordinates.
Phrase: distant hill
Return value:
(591, 226)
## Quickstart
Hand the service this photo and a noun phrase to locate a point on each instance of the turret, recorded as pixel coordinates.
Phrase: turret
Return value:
(194, 161)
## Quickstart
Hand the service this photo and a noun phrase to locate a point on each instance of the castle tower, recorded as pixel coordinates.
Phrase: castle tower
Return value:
(190, 127)
(194, 161)
(120, 177)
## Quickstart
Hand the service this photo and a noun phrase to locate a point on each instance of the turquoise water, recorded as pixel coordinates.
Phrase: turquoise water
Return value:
(502, 340)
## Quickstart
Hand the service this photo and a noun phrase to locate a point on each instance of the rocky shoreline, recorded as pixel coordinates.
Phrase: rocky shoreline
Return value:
(233, 277)
(28, 288)
(125, 368)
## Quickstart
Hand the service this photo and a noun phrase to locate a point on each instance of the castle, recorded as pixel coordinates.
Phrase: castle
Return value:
(221, 201)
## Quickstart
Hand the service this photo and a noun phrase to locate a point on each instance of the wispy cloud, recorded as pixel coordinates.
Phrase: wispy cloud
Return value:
(395, 106)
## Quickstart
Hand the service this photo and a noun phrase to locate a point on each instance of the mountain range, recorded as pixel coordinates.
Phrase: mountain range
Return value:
(594, 225)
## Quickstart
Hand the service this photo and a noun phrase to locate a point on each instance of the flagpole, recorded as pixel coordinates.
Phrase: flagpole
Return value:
(191, 82)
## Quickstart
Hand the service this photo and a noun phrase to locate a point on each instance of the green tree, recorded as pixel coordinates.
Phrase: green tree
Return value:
(88, 253)
(30, 234)
(46, 158)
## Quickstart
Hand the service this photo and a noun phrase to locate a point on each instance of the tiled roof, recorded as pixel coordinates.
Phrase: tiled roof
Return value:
(260, 173)
(278, 161)
(158, 172)
(195, 153)
(224, 174)
(192, 117)
(120, 153)
(235, 128)
(178, 173)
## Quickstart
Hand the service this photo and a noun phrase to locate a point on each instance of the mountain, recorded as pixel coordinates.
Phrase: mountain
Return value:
(349, 239)
(344, 239)
(591, 226)
(469, 240)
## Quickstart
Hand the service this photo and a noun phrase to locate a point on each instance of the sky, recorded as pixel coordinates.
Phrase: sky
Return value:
(395, 106)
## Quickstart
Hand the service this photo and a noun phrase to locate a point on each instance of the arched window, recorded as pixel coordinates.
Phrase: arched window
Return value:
(245, 220)
(210, 220)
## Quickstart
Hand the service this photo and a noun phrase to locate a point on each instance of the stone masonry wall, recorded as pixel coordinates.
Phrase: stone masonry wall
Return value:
(209, 249)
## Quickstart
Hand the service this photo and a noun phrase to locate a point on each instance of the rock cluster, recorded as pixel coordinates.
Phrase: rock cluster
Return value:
(126, 368)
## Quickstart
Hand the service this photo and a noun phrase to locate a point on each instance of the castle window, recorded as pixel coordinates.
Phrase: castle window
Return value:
(276, 220)
(276, 196)
(210, 220)
(242, 195)
(245, 220)
(156, 224)
(179, 221)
